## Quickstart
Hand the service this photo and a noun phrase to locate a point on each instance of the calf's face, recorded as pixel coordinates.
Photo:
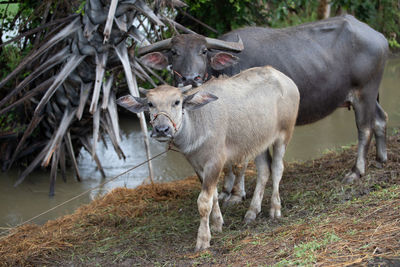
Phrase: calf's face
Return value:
(166, 105)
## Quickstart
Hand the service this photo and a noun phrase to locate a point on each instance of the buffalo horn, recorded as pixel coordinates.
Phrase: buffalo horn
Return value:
(158, 46)
(224, 45)
(186, 88)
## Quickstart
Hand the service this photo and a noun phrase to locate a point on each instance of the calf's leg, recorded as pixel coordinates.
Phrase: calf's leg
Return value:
(216, 217)
(207, 202)
(262, 178)
(233, 191)
(229, 181)
(277, 171)
(238, 193)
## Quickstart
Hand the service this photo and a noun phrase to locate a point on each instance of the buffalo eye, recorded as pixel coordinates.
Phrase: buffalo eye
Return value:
(150, 104)
(174, 53)
(177, 102)
(204, 51)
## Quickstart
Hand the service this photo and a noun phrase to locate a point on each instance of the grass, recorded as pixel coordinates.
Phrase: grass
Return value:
(304, 253)
(324, 223)
(12, 9)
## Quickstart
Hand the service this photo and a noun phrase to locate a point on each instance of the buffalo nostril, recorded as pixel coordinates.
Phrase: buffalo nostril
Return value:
(162, 129)
(198, 78)
(184, 79)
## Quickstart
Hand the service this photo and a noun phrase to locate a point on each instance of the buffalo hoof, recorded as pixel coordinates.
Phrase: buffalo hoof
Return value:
(378, 165)
(275, 213)
(201, 246)
(216, 224)
(233, 200)
(249, 217)
(216, 228)
(223, 196)
(381, 156)
(350, 178)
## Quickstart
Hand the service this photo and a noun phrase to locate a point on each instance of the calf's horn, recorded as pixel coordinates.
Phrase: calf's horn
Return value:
(158, 46)
(143, 91)
(224, 45)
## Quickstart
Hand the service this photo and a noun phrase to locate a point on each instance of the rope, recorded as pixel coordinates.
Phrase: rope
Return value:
(2, 234)
(166, 115)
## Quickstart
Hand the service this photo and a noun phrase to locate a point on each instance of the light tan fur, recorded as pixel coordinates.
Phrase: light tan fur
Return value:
(256, 108)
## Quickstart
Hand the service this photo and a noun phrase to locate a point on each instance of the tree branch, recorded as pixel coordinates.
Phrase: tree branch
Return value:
(9, 2)
(54, 22)
(197, 21)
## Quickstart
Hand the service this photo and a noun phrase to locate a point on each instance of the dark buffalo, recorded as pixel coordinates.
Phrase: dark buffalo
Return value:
(334, 62)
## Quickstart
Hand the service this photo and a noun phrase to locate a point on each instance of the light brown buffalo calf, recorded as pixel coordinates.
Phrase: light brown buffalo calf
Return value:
(226, 121)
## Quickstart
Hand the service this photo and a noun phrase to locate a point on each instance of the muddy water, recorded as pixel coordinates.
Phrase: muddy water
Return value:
(310, 141)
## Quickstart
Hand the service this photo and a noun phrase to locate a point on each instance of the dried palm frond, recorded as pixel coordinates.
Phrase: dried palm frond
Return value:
(69, 89)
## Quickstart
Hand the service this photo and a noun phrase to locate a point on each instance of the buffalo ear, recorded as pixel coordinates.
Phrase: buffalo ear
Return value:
(155, 60)
(133, 104)
(197, 100)
(223, 60)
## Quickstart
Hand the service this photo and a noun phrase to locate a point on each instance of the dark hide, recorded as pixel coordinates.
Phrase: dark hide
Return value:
(334, 62)
(326, 59)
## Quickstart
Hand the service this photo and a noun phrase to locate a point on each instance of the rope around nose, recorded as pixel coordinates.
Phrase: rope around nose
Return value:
(166, 115)
(3, 234)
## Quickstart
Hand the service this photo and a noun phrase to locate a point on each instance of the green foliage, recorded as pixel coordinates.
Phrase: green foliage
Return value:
(9, 122)
(11, 56)
(382, 15)
(81, 8)
(8, 11)
(15, 15)
(393, 43)
(291, 12)
(226, 15)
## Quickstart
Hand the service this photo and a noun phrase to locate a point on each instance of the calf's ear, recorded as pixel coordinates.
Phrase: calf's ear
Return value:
(197, 100)
(133, 104)
(155, 60)
(223, 60)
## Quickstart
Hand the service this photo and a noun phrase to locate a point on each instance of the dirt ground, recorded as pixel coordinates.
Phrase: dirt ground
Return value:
(325, 223)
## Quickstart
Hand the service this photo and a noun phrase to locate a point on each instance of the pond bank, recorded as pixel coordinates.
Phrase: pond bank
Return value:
(324, 222)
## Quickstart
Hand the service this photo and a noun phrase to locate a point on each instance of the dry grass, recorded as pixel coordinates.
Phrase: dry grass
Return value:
(351, 234)
(325, 223)
(33, 244)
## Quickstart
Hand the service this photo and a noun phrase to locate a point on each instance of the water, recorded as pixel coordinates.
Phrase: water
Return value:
(309, 141)
(31, 197)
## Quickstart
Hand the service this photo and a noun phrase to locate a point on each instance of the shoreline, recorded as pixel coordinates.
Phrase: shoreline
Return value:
(324, 222)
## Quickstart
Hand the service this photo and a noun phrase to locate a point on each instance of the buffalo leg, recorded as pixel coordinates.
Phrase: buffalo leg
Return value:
(276, 174)
(262, 178)
(233, 190)
(205, 204)
(380, 133)
(229, 182)
(364, 112)
(216, 217)
(238, 193)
